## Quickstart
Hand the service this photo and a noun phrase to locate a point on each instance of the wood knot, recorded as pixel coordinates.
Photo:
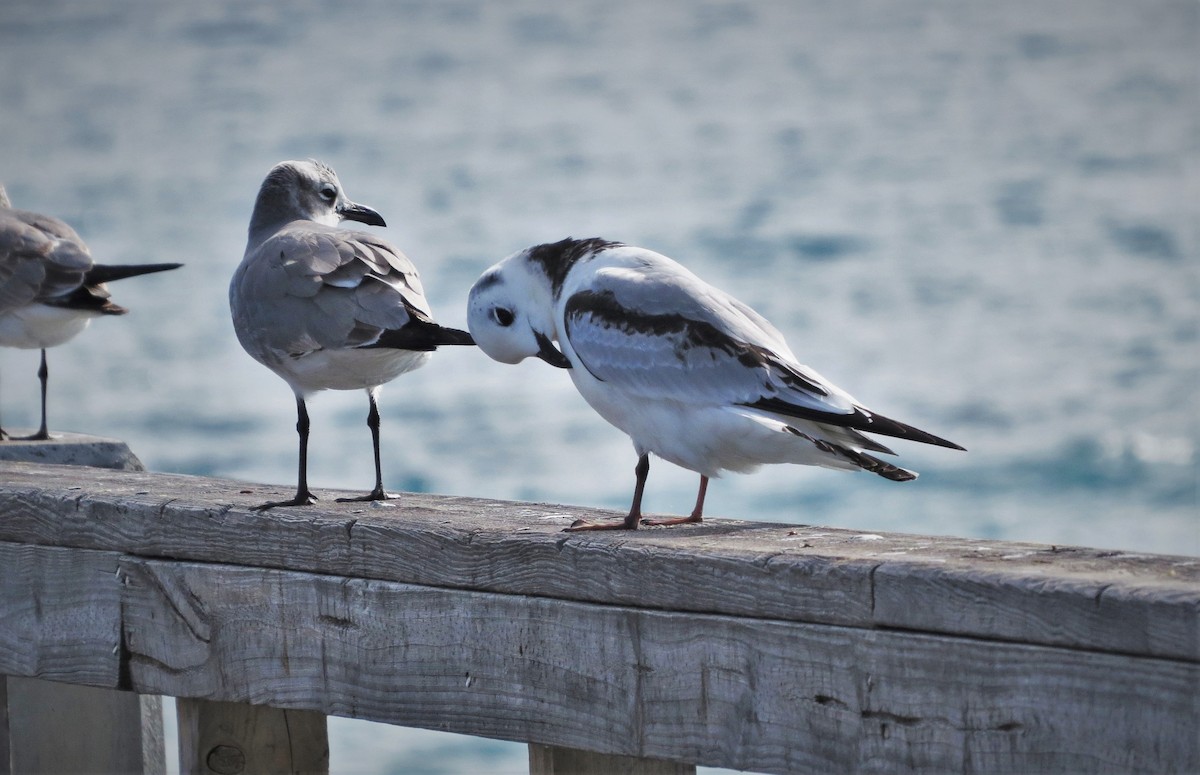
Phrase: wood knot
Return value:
(226, 760)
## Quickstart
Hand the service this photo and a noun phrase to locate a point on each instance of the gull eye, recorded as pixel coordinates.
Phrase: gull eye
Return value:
(328, 192)
(503, 317)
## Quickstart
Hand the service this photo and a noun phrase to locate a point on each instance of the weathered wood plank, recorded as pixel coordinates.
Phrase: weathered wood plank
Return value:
(60, 614)
(5, 735)
(154, 742)
(57, 728)
(1084, 598)
(766, 696)
(75, 449)
(60, 619)
(552, 760)
(228, 738)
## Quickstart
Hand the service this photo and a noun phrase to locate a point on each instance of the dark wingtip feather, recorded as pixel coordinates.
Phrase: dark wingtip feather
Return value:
(886, 426)
(421, 336)
(861, 459)
(859, 420)
(886, 470)
(104, 273)
(455, 336)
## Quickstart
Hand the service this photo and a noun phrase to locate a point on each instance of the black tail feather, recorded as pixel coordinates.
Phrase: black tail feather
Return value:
(879, 467)
(859, 420)
(862, 460)
(104, 273)
(455, 336)
(421, 336)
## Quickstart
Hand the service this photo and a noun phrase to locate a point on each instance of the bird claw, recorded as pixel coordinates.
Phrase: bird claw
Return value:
(581, 525)
(301, 499)
(673, 521)
(374, 495)
(39, 436)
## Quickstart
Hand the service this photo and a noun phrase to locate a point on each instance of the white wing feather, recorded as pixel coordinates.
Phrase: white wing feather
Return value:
(659, 332)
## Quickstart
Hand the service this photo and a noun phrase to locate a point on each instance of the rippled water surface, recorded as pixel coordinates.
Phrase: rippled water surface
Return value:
(978, 218)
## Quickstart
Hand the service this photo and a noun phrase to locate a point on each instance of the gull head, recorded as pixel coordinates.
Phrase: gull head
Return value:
(306, 191)
(511, 316)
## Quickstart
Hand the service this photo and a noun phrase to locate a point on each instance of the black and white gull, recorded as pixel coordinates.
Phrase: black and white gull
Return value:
(690, 373)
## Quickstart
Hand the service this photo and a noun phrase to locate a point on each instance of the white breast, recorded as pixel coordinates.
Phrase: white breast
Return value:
(357, 369)
(37, 326)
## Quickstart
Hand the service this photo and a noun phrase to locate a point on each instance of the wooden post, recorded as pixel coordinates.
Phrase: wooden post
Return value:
(230, 738)
(51, 727)
(5, 753)
(62, 728)
(555, 760)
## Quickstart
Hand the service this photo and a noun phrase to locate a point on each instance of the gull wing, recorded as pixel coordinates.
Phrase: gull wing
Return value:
(41, 259)
(664, 334)
(657, 333)
(314, 287)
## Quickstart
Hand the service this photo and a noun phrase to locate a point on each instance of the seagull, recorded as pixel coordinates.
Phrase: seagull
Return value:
(50, 289)
(690, 373)
(327, 308)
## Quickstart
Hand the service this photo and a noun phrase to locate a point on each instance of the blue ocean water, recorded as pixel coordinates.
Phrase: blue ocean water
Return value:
(980, 218)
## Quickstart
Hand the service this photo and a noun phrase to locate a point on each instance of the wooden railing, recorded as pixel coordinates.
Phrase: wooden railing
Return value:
(763, 647)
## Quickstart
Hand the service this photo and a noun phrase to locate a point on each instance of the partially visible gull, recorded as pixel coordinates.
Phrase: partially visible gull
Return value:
(50, 289)
(690, 373)
(327, 308)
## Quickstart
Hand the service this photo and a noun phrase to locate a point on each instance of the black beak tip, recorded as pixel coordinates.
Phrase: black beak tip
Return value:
(551, 354)
(557, 360)
(362, 214)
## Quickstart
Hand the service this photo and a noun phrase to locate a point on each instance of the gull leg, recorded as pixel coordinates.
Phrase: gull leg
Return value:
(373, 424)
(43, 432)
(303, 496)
(43, 376)
(641, 471)
(378, 493)
(697, 512)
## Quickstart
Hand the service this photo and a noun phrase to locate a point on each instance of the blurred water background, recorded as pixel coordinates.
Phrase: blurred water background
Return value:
(980, 218)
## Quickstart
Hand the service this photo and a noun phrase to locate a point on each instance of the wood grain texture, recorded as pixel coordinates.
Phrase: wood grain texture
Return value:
(60, 619)
(1024, 593)
(767, 696)
(57, 728)
(60, 615)
(552, 760)
(230, 738)
(74, 449)
(5, 735)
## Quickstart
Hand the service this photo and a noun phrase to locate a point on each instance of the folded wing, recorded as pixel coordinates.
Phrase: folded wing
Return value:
(321, 287)
(671, 336)
(41, 259)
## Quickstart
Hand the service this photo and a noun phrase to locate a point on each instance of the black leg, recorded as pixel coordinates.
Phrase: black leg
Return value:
(302, 426)
(43, 432)
(44, 376)
(303, 496)
(640, 471)
(378, 493)
(3, 433)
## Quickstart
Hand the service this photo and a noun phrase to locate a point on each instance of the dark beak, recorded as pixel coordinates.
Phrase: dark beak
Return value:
(361, 213)
(549, 353)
